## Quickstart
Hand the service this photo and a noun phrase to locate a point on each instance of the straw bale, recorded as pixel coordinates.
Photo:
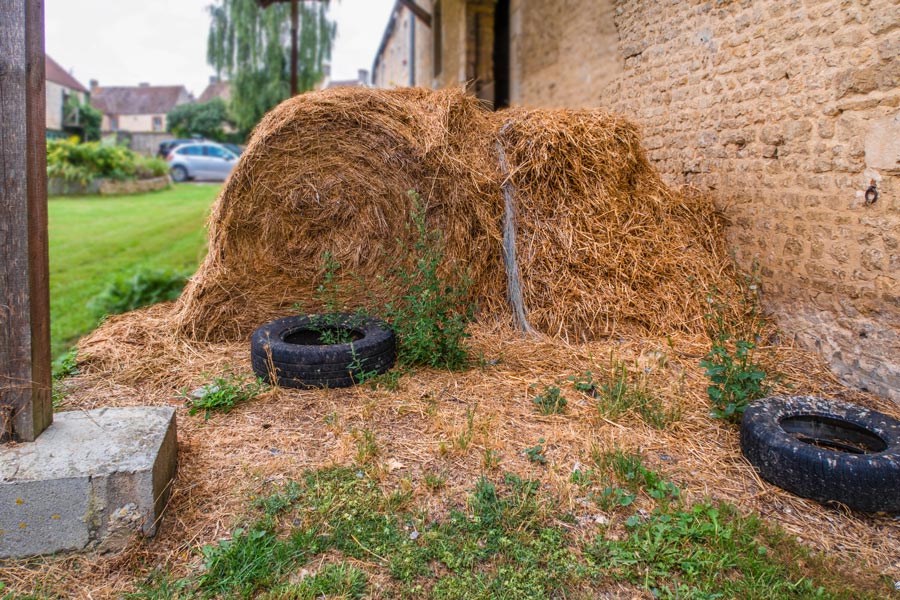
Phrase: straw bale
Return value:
(602, 242)
(330, 171)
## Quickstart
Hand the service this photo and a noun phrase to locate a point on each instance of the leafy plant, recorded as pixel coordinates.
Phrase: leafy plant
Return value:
(82, 162)
(550, 401)
(222, 393)
(737, 378)
(430, 320)
(142, 287)
(536, 453)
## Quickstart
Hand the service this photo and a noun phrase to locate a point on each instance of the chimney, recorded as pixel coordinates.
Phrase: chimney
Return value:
(363, 75)
(94, 84)
(213, 79)
(143, 84)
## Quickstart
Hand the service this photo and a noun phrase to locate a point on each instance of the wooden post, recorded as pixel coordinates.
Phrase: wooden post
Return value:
(295, 25)
(25, 399)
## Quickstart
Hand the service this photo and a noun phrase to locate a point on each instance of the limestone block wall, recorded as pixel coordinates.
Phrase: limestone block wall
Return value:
(786, 111)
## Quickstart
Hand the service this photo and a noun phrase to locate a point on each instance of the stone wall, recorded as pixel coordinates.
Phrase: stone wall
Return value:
(392, 66)
(786, 111)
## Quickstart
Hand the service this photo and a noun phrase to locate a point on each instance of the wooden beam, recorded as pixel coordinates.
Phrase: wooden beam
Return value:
(25, 400)
(417, 10)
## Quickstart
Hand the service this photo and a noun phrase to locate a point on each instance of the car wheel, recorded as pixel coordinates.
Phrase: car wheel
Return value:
(288, 351)
(824, 450)
(179, 174)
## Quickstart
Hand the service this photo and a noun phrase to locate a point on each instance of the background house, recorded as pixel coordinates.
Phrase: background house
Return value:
(138, 112)
(61, 86)
(787, 113)
(216, 89)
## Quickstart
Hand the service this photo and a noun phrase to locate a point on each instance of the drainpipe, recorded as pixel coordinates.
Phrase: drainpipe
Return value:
(412, 50)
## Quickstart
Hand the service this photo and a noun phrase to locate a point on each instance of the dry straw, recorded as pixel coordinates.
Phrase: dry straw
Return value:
(601, 242)
(603, 247)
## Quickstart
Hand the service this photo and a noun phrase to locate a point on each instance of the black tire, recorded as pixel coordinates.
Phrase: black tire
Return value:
(179, 174)
(824, 450)
(276, 357)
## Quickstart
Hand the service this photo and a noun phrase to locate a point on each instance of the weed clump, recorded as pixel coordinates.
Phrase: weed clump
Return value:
(430, 320)
(222, 393)
(731, 366)
(143, 287)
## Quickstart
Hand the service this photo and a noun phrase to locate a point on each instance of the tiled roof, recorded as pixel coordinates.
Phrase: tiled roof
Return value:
(141, 100)
(55, 73)
(220, 89)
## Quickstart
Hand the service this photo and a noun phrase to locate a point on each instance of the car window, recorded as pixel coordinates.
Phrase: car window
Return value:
(190, 150)
(216, 152)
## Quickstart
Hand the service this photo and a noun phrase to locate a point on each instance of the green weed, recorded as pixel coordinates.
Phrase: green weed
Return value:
(142, 287)
(509, 541)
(623, 392)
(536, 453)
(737, 378)
(550, 401)
(430, 320)
(334, 581)
(222, 393)
(366, 447)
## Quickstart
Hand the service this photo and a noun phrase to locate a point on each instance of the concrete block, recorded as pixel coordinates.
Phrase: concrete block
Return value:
(92, 479)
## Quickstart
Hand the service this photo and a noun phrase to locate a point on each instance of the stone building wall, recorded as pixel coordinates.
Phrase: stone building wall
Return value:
(392, 65)
(786, 111)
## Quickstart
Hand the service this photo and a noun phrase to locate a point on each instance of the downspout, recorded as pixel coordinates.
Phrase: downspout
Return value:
(412, 50)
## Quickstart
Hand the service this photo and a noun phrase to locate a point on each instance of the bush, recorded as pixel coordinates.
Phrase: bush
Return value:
(73, 161)
(140, 288)
(430, 320)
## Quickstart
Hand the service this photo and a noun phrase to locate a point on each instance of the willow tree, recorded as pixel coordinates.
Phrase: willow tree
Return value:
(251, 47)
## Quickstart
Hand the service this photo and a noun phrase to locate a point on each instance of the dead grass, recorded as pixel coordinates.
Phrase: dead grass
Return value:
(229, 458)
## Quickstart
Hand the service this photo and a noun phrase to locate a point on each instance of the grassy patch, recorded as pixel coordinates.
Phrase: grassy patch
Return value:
(222, 393)
(94, 240)
(510, 540)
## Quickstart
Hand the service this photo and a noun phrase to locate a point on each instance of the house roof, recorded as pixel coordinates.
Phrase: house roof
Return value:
(140, 100)
(345, 83)
(55, 73)
(219, 89)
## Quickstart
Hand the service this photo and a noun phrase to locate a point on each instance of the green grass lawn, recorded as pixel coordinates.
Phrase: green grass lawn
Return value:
(94, 238)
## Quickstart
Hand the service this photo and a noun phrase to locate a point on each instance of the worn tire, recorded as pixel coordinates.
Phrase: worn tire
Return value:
(824, 450)
(278, 359)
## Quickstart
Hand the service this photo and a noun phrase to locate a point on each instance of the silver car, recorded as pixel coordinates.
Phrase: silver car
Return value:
(204, 160)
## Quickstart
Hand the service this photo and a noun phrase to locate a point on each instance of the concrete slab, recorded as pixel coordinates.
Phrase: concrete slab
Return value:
(92, 479)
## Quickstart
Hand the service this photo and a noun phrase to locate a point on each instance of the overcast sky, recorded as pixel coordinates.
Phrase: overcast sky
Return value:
(163, 42)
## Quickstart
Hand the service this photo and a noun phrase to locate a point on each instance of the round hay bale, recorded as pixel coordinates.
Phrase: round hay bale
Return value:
(602, 243)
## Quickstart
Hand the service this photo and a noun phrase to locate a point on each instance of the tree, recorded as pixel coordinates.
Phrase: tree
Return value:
(202, 118)
(250, 46)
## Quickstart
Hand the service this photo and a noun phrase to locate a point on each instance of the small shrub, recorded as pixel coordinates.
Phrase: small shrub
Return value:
(143, 287)
(222, 393)
(82, 162)
(737, 378)
(536, 453)
(550, 401)
(430, 320)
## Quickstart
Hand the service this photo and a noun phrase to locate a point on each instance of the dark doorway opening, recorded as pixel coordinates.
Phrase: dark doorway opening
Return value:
(501, 54)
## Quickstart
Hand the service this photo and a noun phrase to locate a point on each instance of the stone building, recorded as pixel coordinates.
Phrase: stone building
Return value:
(788, 112)
(62, 88)
(138, 112)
